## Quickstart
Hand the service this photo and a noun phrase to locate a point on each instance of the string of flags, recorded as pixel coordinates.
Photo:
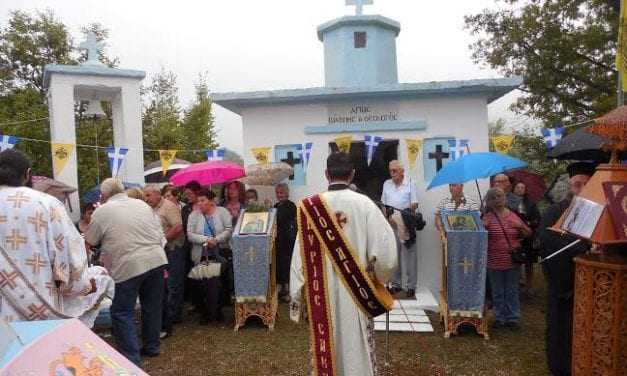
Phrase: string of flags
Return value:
(551, 137)
(457, 148)
(7, 142)
(116, 157)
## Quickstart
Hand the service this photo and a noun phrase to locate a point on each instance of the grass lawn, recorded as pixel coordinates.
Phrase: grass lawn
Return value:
(215, 349)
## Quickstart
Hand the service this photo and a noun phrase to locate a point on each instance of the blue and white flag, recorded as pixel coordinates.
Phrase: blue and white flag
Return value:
(116, 157)
(215, 154)
(552, 136)
(304, 151)
(457, 148)
(371, 145)
(7, 142)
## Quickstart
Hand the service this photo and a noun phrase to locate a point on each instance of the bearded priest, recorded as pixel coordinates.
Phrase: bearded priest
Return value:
(344, 252)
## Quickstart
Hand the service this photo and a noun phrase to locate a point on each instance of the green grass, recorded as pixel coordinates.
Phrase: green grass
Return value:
(216, 349)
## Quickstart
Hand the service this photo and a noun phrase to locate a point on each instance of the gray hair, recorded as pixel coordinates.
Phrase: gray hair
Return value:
(283, 185)
(153, 187)
(111, 187)
(396, 163)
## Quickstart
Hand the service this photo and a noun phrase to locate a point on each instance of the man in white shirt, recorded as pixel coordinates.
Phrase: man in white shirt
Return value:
(400, 193)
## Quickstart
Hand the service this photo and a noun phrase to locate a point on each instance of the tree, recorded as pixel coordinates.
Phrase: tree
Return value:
(563, 49)
(161, 118)
(197, 131)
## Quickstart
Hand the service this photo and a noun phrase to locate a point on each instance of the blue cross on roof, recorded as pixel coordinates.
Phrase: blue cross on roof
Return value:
(359, 5)
(93, 47)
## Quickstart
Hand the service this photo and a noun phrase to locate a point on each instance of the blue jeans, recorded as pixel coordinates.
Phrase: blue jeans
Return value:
(505, 302)
(176, 283)
(149, 287)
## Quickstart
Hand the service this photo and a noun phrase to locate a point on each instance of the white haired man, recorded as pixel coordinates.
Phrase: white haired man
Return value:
(400, 193)
(132, 241)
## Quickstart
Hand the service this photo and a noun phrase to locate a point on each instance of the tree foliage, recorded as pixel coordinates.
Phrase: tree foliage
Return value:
(197, 128)
(563, 49)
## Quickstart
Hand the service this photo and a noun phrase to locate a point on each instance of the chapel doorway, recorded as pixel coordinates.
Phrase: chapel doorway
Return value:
(370, 178)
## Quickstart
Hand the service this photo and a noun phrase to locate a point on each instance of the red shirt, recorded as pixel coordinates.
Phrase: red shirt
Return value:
(499, 249)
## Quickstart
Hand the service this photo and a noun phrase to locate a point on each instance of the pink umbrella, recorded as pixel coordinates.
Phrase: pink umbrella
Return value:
(212, 172)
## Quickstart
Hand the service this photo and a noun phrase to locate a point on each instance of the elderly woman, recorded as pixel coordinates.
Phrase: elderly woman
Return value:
(209, 231)
(170, 193)
(505, 230)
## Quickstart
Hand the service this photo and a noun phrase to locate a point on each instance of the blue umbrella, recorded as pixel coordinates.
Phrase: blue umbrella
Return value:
(93, 195)
(475, 166)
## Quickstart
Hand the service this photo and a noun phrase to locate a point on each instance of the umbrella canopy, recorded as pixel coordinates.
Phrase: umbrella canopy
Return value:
(580, 145)
(93, 195)
(52, 187)
(475, 166)
(213, 172)
(60, 347)
(536, 187)
(267, 174)
(153, 173)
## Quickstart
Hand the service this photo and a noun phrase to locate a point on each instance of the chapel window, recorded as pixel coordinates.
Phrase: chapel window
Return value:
(360, 39)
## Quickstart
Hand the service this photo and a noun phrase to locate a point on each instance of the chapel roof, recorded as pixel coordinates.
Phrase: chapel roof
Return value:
(492, 89)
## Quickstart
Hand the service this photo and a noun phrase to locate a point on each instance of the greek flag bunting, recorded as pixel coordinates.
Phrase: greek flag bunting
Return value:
(304, 150)
(371, 144)
(457, 148)
(552, 136)
(116, 157)
(7, 142)
(215, 154)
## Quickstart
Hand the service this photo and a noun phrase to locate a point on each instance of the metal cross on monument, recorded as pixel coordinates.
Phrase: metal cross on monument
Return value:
(290, 160)
(93, 47)
(359, 5)
(439, 156)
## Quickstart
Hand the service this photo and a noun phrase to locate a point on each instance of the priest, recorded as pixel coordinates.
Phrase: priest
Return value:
(560, 274)
(344, 252)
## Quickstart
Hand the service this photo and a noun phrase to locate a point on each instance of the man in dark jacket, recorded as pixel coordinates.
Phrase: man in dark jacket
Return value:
(560, 274)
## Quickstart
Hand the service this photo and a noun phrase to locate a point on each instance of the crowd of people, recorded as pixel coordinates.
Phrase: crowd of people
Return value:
(145, 242)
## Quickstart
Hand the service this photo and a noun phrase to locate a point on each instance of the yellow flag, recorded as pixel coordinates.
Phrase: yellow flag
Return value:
(166, 157)
(262, 154)
(621, 51)
(60, 156)
(503, 143)
(344, 143)
(414, 145)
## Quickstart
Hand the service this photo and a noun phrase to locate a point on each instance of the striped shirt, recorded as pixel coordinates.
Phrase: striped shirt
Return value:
(448, 203)
(498, 248)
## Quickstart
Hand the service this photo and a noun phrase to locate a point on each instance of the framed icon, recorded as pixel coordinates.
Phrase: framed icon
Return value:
(254, 223)
(461, 222)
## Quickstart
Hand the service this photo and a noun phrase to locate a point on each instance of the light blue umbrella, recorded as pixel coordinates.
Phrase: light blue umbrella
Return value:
(475, 166)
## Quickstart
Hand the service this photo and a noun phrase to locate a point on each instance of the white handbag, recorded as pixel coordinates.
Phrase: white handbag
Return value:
(205, 270)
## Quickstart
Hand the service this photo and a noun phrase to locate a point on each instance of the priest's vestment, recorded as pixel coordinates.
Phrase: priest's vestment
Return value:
(374, 245)
(43, 263)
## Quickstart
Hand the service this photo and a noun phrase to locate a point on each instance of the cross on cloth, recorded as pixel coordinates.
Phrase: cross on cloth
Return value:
(439, 156)
(466, 264)
(290, 160)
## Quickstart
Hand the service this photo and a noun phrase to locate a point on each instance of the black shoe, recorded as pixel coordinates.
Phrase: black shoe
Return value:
(149, 354)
(513, 326)
(498, 325)
(165, 334)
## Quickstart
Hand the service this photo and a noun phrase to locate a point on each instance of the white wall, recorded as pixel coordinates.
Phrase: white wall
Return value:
(460, 117)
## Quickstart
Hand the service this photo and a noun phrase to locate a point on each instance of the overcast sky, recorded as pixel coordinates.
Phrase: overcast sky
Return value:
(248, 45)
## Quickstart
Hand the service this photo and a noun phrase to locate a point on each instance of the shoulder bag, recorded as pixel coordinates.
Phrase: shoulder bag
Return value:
(519, 255)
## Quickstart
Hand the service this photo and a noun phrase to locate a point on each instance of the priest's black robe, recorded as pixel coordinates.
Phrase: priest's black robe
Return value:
(560, 274)
(285, 238)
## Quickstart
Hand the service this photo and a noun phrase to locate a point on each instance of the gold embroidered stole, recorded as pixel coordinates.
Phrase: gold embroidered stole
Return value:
(321, 234)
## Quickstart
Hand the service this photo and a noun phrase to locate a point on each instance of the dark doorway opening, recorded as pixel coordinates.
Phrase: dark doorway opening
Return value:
(370, 179)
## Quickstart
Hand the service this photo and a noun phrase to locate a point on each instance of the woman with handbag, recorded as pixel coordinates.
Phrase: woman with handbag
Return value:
(505, 230)
(209, 230)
